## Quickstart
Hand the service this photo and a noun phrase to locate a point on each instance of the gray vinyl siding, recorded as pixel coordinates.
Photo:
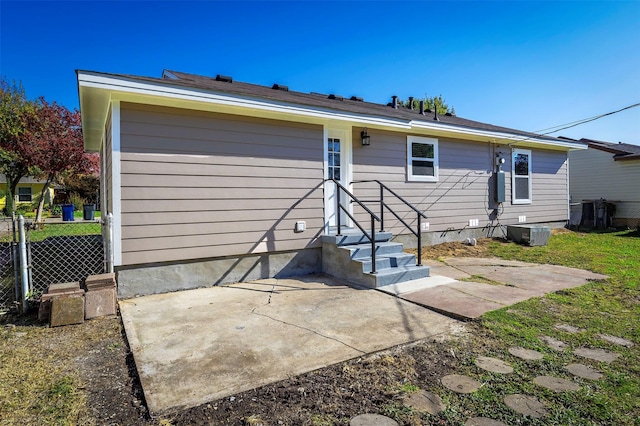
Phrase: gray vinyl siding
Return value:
(202, 185)
(464, 189)
(594, 174)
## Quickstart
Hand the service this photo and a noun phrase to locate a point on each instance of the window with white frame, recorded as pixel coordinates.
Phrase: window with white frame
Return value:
(521, 176)
(24, 194)
(422, 159)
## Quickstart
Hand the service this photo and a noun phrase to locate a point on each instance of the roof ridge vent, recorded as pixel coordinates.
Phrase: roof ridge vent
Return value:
(336, 97)
(282, 87)
(357, 99)
(224, 78)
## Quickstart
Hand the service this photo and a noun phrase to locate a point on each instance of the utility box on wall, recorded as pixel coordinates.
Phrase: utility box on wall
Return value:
(500, 187)
(532, 235)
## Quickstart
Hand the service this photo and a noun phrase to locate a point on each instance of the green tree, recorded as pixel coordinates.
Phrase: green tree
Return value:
(430, 103)
(16, 112)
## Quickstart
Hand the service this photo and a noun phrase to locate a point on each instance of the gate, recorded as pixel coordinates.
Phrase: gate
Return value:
(56, 252)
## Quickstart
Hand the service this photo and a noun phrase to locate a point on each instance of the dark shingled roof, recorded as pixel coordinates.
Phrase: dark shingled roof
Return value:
(335, 102)
(621, 151)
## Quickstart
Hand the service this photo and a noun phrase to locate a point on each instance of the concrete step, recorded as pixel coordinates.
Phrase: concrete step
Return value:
(399, 274)
(359, 251)
(386, 261)
(352, 237)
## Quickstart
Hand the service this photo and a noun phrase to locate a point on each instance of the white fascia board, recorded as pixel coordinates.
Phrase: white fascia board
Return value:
(511, 138)
(119, 84)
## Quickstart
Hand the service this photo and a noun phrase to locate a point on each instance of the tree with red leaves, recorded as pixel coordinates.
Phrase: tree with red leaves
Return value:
(15, 112)
(56, 147)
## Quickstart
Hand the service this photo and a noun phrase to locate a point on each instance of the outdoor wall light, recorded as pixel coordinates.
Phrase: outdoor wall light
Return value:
(366, 139)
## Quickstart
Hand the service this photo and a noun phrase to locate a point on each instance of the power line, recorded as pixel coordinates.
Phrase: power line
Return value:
(583, 121)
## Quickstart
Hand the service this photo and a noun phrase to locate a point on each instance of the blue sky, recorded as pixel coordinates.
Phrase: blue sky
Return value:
(525, 65)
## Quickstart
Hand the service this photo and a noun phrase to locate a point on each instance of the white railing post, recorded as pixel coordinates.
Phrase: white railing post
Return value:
(24, 272)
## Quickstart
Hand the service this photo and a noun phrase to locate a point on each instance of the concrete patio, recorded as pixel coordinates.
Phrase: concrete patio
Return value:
(196, 346)
(451, 289)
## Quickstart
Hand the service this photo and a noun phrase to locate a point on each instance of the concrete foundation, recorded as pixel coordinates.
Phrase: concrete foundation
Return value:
(459, 235)
(154, 279)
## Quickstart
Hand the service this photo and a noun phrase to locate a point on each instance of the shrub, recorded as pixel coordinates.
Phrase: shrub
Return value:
(77, 201)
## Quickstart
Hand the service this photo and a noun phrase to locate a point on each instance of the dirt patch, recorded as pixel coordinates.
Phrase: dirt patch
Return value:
(456, 249)
(97, 356)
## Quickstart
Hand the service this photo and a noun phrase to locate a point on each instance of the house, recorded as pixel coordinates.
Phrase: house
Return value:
(27, 191)
(212, 181)
(609, 171)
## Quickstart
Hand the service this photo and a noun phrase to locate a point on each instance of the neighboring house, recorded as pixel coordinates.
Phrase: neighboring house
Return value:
(212, 181)
(27, 191)
(609, 171)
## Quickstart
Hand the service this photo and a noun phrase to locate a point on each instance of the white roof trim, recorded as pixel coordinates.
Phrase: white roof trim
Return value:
(192, 94)
(131, 86)
(512, 138)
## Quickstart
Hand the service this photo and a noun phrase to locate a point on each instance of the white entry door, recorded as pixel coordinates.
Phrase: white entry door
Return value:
(337, 162)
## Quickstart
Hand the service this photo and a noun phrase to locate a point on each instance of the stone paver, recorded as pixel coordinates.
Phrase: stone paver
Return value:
(483, 421)
(461, 384)
(493, 364)
(568, 328)
(526, 354)
(596, 354)
(100, 303)
(584, 371)
(424, 402)
(67, 311)
(553, 343)
(527, 405)
(372, 420)
(556, 384)
(616, 340)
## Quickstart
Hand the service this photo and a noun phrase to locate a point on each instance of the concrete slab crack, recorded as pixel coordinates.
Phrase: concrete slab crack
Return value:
(253, 311)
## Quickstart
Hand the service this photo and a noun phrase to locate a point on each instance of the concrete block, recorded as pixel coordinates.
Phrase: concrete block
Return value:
(100, 286)
(67, 311)
(44, 311)
(100, 280)
(63, 287)
(99, 303)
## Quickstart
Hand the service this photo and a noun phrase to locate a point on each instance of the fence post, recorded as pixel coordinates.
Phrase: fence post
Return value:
(110, 243)
(24, 274)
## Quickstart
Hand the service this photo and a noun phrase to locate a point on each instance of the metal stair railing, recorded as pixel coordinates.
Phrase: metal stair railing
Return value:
(371, 237)
(384, 205)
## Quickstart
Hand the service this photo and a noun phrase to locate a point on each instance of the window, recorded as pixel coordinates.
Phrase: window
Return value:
(333, 161)
(521, 176)
(422, 159)
(24, 195)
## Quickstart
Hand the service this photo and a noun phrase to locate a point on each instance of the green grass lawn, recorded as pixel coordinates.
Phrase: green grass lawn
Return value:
(606, 307)
(48, 229)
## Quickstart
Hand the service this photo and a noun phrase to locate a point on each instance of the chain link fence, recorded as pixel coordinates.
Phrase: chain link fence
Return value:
(8, 270)
(56, 252)
(63, 252)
